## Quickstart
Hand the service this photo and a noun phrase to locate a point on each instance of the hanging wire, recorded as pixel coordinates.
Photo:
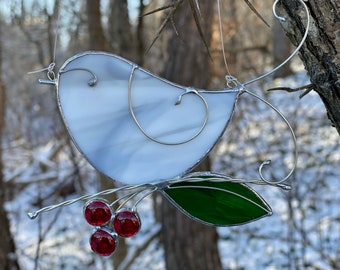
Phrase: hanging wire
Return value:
(295, 152)
(296, 49)
(50, 68)
(232, 81)
(221, 35)
(229, 77)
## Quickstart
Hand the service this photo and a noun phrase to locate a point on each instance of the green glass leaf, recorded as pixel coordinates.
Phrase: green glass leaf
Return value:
(214, 200)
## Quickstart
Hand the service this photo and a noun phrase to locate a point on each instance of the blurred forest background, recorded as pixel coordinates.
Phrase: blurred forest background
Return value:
(40, 165)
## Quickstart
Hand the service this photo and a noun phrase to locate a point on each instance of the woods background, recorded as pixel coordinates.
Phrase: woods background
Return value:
(40, 165)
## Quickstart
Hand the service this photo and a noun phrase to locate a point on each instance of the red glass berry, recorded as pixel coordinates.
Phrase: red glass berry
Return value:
(103, 242)
(97, 212)
(126, 223)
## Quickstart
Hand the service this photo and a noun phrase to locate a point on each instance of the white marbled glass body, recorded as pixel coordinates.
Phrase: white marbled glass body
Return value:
(99, 120)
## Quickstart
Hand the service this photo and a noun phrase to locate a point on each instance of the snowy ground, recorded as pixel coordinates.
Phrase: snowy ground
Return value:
(303, 233)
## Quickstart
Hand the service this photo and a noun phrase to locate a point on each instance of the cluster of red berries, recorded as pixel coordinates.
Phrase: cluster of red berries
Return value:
(109, 225)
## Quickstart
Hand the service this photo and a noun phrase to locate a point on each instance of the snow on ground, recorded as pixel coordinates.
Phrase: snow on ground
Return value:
(303, 233)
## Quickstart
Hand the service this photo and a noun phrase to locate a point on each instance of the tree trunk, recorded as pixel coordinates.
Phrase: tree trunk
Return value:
(119, 28)
(281, 50)
(188, 244)
(140, 35)
(96, 33)
(320, 51)
(8, 259)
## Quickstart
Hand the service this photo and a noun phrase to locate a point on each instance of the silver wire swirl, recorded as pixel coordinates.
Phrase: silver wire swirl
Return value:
(230, 78)
(188, 91)
(295, 151)
(91, 82)
(296, 49)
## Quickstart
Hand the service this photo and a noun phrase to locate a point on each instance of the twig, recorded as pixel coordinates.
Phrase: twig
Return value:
(158, 9)
(196, 14)
(169, 18)
(253, 9)
(307, 88)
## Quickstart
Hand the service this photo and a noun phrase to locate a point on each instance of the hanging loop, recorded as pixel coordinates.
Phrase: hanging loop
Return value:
(49, 74)
(282, 19)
